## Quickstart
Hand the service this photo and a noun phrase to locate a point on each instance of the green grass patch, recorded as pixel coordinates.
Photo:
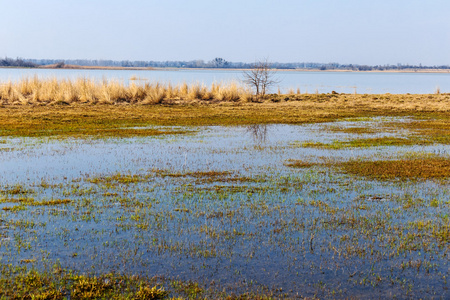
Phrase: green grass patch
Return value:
(365, 143)
(118, 120)
(426, 168)
(32, 202)
(416, 167)
(354, 130)
(30, 284)
(301, 164)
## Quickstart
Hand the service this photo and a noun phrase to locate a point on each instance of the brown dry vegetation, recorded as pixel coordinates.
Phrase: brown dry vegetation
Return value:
(370, 142)
(34, 107)
(436, 127)
(29, 120)
(385, 102)
(88, 119)
(426, 168)
(34, 91)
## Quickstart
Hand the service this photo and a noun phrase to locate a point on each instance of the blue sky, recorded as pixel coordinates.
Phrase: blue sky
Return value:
(343, 31)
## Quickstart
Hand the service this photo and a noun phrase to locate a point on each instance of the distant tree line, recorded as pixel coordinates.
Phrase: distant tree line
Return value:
(18, 62)
(217, 62)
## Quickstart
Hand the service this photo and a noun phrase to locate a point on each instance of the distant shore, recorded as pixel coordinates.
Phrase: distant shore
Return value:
(374, 71)
(78, 67)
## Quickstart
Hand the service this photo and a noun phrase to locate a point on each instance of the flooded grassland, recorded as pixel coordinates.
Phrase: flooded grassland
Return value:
(263, 200)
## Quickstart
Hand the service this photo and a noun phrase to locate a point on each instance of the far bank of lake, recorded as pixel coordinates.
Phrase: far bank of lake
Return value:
(306, 81)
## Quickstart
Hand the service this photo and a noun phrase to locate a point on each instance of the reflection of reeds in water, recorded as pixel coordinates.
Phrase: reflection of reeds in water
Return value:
(53, 91)
(438, 90)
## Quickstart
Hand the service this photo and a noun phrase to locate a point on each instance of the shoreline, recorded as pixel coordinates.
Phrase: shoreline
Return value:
(88, 119)
(78, 67)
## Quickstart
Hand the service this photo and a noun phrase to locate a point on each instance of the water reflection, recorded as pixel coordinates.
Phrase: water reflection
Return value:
(258, 132)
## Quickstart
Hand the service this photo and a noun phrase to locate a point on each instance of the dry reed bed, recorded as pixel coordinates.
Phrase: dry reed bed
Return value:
(37, 91)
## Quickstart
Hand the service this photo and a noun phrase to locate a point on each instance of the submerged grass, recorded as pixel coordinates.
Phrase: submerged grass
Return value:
(435, 128)
(191, 225)
(317, 232)
(426, 168)
(369, 142)
(33, 202)
(301, 164)
(27, 283)
(356, 130)
(429, 167)
(31, 284)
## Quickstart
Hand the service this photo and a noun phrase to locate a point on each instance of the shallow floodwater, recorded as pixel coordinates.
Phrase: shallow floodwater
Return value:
(219, 206)
(242, 149)
(307, 82)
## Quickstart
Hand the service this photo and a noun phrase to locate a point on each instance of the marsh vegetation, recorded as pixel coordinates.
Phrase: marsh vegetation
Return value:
(35, 91)
(327, 196)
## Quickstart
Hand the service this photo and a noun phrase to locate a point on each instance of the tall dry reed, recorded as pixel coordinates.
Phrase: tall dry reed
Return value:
(37, 91)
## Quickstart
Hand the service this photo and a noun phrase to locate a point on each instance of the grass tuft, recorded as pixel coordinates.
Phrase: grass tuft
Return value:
(366, 143)
(425, 168)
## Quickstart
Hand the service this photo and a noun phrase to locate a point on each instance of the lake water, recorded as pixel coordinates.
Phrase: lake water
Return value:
(311, 82)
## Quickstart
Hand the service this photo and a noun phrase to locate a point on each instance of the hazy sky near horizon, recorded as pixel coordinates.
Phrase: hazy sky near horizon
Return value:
(344, 31)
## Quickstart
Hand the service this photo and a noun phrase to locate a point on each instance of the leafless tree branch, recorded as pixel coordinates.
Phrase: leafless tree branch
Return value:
(261, 77)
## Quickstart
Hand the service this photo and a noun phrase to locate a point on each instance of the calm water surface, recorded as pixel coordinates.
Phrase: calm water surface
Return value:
(311, 82)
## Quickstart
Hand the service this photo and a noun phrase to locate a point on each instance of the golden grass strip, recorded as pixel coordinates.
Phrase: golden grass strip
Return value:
(421, 168)
(301, 164)
(368, 142)
(35, 91)
(425, 168)
(98, 120)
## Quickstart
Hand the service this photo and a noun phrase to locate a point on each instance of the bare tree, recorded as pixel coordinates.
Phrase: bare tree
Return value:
(260, 77)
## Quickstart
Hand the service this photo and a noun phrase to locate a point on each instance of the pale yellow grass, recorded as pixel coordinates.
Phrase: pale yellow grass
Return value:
(383, 102)
(37, 91)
